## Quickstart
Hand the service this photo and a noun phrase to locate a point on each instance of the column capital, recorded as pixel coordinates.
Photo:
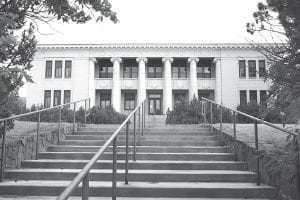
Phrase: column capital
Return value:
(144, 59)
(215, 60)
(193, 59)
(118, 59)
(92, 59)
(167, 59)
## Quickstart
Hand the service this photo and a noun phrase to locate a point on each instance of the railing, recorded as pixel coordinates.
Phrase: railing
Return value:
(207, 103)
(83, 175)
(87, 106)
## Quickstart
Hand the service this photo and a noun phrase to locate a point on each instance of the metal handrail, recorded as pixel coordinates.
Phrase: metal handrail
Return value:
(83, 175)
(256, 121)
(38, 112)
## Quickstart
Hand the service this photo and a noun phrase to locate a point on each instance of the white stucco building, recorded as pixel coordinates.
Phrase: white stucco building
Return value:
(124, 74)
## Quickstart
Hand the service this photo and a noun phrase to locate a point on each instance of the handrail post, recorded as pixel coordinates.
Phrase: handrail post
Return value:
(142, 118)
(234, 136)
(85, 187)
(204, 113)
(144, 115)
(126, 154)
(59, 124)
(139, 124)
(3, 152)
(134, 137)
(85, 111)
(74, 117)
(221, 118)
(114, 169)
(257, 152)
(211, 116)
(37, 136)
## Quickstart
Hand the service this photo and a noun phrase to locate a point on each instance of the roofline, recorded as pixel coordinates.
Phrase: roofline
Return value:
(151, 45)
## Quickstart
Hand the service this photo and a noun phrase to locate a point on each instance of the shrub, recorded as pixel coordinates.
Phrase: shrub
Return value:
(106, 115)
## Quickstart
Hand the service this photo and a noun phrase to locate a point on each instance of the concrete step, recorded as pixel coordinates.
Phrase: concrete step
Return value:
(142, 149)
(8, 197)
(135, 175)
(139, 156)
(145, 137)
(139, 164)
(143, 189)
(141, 143)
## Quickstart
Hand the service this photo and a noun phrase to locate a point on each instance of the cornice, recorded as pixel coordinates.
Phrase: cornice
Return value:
(149, 46)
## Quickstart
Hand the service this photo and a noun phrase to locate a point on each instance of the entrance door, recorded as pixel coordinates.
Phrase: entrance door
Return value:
(154, 104)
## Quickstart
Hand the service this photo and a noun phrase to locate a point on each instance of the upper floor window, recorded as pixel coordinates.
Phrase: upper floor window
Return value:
(47, 98)
(262, 68)
(48, 73)
(243, 97)
(129, 101)
(105, 100)
(252, 68)
(205, 68)
(58, 69)
(155, 68)
(56, 98)
(104, 68)
(242, 68)
(130, 68)
(68, 68)
(179, 68)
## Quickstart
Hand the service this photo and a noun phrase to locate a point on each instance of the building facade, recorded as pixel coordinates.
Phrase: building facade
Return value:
(123, 75)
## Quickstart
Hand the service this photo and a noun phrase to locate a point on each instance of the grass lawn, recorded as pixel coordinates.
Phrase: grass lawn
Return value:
(270, 140)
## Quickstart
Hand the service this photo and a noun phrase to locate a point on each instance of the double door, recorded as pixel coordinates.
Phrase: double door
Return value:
(154, 104)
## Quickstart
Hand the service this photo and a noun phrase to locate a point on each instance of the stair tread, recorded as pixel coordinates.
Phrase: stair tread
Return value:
(140, 153)
(119, 198)
(166, 147)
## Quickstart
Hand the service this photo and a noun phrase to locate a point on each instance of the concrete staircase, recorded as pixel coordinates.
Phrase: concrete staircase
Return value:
(173, 162)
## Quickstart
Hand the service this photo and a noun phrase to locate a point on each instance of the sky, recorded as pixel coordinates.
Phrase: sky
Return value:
(159, 21)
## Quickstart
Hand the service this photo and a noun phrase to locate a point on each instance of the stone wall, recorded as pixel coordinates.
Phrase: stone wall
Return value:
(273, 171)
(25, 148)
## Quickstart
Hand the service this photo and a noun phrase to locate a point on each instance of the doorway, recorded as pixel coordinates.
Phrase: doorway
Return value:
(154, 104)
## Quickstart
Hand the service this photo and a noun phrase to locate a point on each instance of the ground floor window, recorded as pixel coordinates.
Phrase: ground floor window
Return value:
(67, 97)
(105, 100)
(263, 96)
(243, 97)
(56, 98)
(47, 98)
(209, 94)
(179, 97)
(253, 96)
(129, 101)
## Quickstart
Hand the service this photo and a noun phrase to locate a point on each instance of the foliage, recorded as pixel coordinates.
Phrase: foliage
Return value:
(280, 19)
(18, 21)
(106, 115)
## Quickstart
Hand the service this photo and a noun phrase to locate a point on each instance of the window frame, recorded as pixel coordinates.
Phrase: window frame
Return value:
(156, 74)
(242, 73)
(54, 96)
(201, 69)
(106, 100)
(46, 105)
(56, 69)
(48, 70)
(252, 74)
(250, 99)
(245, 97)
(69, 75)
(130, 71)
(126, 99)
(262, 73)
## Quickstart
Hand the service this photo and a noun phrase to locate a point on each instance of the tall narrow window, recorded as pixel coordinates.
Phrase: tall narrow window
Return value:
(56, 98)
(243, 97)
(105, 100)
(68, 68)
(67, 96)
(252, 68)
(48, 73)
(58, 69)
(129, 101)
(263, 96)
(242, 68)
(262, 68)
(253, 97)
(47, 98)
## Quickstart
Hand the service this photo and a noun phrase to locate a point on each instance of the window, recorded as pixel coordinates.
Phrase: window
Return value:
(105, 68)
(68, 68)
(263, 96)
(204, 68)
(155, 68)
(209, 94)
(56, 98)
(179, 97)
(253, 97)
(242, 68)
(129, 101)
(58, 69)
(179, 67)
(252, 68)
(243, 97)
(47, 98)
(105, 100)
(67, 96)
(130, 68)
(48, 73)
(262, 68)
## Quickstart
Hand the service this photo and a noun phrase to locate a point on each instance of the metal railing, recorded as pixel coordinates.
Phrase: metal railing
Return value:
(83, 175)
(256, 121)
(87, 107)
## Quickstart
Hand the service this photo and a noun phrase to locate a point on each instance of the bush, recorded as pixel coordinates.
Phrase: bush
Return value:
(106, 115)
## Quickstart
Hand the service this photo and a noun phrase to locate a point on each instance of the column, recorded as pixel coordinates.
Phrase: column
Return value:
(116, 92)
(193, 91)
(167, 97)
(248, 96)
(258, 96)
(218, 89)
(91, 84)
(142, 79)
